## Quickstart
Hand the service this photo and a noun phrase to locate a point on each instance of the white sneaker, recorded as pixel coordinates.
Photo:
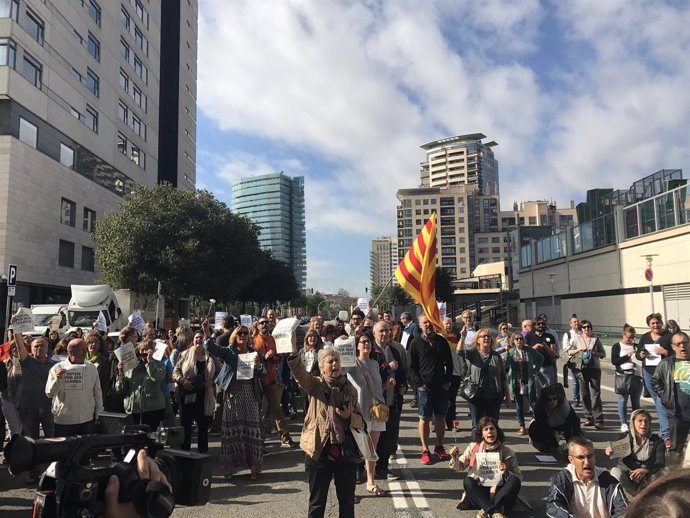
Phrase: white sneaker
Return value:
(624, 428)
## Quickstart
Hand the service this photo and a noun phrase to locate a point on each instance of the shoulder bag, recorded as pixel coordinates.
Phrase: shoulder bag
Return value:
(378, 411)
(469, 390)
(625, 382)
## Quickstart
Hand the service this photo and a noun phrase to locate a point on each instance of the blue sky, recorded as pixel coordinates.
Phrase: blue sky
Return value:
(578, 94)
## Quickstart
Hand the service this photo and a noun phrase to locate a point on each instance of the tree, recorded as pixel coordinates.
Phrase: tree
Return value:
(444, 288)
(276, 282)
(393, 296)
(186, 239)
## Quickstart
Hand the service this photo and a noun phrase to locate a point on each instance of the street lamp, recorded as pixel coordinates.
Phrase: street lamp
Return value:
(319, 305)
(551, 277)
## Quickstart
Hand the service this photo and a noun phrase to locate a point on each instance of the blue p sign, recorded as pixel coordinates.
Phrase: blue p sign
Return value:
(12, 275)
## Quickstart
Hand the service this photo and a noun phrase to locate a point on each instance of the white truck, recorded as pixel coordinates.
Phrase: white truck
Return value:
(89, 300)
(43, 313)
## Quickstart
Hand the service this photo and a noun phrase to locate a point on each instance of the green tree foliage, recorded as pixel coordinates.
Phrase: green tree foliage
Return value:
(444, 288)
(276, 283)
(189, 241)
(392, 296)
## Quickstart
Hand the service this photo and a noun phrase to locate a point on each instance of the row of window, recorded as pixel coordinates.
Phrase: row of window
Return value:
(133, 30)
(28, 133)
(66, 256)
(135, 62)
(141, 12)
(130, 150)
(131, 119)
(68, 215)
(132, 90)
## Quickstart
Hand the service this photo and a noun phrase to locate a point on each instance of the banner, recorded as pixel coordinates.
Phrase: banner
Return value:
(348, 351)
(126, 354)
(284, 335)
(137, 321)
(245, 366)
(24, 321)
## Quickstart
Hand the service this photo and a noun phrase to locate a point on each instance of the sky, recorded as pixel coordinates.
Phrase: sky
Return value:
(578, 95)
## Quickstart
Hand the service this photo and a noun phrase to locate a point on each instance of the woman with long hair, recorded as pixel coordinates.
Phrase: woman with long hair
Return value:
(522, 363)
(621, 358)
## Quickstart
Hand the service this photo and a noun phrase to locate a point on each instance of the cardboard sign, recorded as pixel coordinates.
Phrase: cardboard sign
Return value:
(137, 321)
(126, 354)
(245, 366)
(442, 309)
(220, 316)
(161, 347)
(284, 335)
(621, 448)
(24, 321)
(54, 323)
(348, 351)
(73, 378)
(246, 320)
(363, 304)
(487, 468)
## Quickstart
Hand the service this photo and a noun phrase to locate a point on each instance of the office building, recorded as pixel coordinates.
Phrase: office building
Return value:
(80, 90)
(383, 261)
(275, 202)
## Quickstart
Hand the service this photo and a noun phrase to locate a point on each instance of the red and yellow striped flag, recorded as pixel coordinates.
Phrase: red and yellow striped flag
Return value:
(416, 273)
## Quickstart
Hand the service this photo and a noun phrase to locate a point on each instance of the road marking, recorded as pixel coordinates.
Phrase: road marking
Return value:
(411, 489)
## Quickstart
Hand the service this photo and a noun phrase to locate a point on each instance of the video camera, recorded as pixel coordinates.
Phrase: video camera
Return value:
(70, 488)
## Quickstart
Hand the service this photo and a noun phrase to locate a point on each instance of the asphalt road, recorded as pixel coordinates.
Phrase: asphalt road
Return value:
(423, 490)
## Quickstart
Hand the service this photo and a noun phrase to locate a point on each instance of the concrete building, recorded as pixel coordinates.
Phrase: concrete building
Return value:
(461, 160)
(383, 261)
(80, 99)
(597, 268)
(275, 202)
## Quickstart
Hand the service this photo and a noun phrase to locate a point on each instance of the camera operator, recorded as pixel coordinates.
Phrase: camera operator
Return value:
(75, 388)
(147, 470)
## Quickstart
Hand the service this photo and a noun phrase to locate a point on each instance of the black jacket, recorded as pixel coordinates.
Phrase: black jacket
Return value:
(431, 363)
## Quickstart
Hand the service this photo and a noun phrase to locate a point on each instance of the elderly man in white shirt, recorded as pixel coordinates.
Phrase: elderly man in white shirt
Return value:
(568, 340)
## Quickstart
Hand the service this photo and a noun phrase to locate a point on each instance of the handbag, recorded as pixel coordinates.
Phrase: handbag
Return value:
(349, 449)
(365, 444)
(625, 383)
(378, 411)
(469, 390)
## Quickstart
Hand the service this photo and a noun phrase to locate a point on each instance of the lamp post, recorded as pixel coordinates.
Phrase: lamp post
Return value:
(551, 277)
(319, 305)
(649, 275)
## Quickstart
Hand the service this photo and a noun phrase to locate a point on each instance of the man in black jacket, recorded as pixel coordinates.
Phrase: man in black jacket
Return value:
(430, 372)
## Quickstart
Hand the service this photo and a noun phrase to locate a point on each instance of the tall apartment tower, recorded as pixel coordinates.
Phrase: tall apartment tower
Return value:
(275, 202)
(80, 98)
(383, 260)
(461, 160)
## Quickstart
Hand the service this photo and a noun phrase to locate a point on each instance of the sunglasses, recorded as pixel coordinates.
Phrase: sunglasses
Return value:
(587, 327)
(242, 333)
(263, 322)
(520, 339)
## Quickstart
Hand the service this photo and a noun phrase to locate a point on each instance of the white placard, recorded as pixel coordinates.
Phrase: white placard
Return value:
(161, 347)
(621, 448)
(246, 320)
(245, 366)
(137, 321)
(126, 354)
(220, 315)
(487, 468)
(343, 316)
(101, 324)
(652, 358)
(405, 339)
(73, 378)
(54, 322)
(284, 335)
(348, 351)
(548, 459)
(24, 321)
(363, 304)
(442, 309)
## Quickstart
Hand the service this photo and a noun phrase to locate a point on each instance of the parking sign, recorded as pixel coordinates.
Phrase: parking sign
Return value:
(12, 275)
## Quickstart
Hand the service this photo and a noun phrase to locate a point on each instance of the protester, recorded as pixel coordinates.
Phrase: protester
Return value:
(554, 419)
(583, 490)
(546, 344)
(95, 354)
(11, 395)
(647, 455)
(621, 358)
(493, 501)
(502, 338)
(328, 443)
(458, 372)
(522, 364)
(568, 340)
(60, 351)
(430, 372)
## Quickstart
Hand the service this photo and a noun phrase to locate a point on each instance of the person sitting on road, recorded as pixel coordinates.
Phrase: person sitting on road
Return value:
(494, 500)
(553, 417)
(647, 456)
(666, 496)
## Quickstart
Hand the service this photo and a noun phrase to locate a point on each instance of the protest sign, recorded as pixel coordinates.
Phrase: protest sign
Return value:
(126, 354)
(23, 322)
(363, 304)
(652, 358)
(442, 309)
(348, 351)
(246, 320)
(621, 448)
(343, 315)
(161, 347)
(54, 323)
(137, 321)
(245, 366)
(73, 378)
(284, 335)
(101, 323)
(220, 315)
(487, 468)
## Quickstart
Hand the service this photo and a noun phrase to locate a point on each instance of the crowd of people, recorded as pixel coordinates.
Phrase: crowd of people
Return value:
(351, 415)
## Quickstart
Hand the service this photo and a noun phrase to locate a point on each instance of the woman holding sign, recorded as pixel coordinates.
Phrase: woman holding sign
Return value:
(493, 478)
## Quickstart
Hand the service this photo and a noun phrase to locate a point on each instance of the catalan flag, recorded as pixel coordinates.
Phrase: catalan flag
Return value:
(416, 273)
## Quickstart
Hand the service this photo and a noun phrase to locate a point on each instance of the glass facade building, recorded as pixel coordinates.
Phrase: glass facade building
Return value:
(275, 202)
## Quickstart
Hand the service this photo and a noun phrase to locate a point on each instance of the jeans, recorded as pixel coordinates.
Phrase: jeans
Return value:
(481, 407)
(660, 408)
(320, 473)
(591, 394)
(576, 386)
(451, 415)
(505, 495)
(623, 403)
(520, 408)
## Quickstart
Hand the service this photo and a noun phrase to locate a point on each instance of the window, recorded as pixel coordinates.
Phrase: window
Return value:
(66, 155)
(87, 259)
(123, 112)
(76, 75)
(89, 222)
(138, 67)
(9, 9)
(124, 81)
(124, 50)
(136, 124)
(125, 19)
(91, 118)
(94, 12)
(68, 210)
(34, 26)
(8, 52)
(532, 220)
(32, 71)
(66, 254)
(78, 38)
(28, 133)
(135, 155)
(75, 113)
(139, 38)
(121, 143)
(92, 82)
(136, 95)
(94, 47)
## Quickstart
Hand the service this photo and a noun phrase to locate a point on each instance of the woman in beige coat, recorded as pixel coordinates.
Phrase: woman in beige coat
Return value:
(195, 394)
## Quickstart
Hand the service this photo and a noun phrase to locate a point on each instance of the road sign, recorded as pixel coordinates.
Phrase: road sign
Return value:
(12, 275)
(11, 291)
(649, 274)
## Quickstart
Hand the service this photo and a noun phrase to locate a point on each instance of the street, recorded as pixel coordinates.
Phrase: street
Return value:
(423, 491)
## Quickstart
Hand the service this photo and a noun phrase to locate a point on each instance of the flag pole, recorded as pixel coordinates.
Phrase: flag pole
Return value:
(371, 306)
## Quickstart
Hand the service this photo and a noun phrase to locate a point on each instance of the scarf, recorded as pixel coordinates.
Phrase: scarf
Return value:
(643, 450)
(335, 426)
(482, 447)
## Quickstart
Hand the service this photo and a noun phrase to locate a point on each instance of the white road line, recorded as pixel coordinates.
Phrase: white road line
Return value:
(412, 488)
(396, 490)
